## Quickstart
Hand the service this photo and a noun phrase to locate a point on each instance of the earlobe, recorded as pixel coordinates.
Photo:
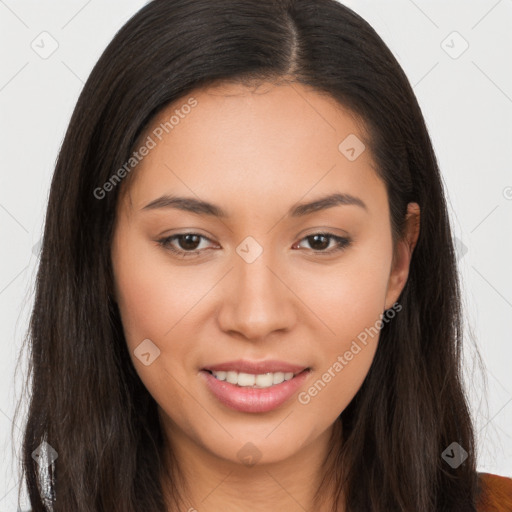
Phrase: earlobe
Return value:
(403, 255)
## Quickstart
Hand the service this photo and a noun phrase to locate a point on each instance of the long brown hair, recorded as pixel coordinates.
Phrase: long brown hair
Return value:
(86, 399)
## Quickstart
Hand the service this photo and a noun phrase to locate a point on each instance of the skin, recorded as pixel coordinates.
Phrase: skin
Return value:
(255, 153)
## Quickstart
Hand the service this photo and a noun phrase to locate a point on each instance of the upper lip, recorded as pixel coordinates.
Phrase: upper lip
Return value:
(256, 367)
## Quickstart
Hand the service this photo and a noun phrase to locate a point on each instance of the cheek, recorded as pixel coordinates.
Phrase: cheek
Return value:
(349, 301)
(145, 308)
(160, 302)
(346, 351)
(349, 296)
(152, 296)
(152, 307)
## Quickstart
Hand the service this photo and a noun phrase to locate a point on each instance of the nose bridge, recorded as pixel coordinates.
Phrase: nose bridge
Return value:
(256, 280)
(258, 301)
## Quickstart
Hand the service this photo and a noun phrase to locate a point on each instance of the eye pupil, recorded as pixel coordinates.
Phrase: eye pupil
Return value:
(187, 238)
(315, 239)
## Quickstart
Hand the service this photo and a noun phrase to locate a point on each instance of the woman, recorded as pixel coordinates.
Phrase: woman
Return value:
(248, 296)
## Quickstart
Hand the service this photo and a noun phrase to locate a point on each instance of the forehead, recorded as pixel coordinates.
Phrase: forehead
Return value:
(258, 144)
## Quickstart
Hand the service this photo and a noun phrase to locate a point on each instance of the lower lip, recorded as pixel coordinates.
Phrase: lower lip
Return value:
(254, 399)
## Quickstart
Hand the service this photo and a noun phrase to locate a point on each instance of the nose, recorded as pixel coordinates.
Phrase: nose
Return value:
(257, 299)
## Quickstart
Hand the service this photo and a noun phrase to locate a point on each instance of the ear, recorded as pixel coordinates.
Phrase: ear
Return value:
(403, 254)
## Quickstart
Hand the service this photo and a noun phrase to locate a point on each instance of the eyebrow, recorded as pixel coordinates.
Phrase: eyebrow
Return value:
(199, 207)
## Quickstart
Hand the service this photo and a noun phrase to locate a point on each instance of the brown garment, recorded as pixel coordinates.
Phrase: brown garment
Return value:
(495, 494)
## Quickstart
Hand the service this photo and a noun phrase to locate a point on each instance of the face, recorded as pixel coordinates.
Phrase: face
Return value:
(268, 280)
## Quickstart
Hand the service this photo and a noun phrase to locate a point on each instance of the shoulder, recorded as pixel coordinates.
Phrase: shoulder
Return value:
(495, 493)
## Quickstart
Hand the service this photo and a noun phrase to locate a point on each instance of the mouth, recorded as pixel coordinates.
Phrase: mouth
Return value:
(251, 380)
(254, 392)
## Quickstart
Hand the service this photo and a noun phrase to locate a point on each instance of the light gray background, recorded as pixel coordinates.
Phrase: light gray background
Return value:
(466, 100)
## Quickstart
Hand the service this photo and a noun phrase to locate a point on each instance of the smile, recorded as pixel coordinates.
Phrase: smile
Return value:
(262, 380)
(253, 393)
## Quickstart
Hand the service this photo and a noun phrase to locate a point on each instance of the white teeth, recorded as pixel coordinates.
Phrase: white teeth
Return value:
(246, 379)
(278, 378)
(231, 377)
(263, 380)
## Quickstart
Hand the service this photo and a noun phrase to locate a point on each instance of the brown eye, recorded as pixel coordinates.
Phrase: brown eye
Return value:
(187, 244)
(320, 242)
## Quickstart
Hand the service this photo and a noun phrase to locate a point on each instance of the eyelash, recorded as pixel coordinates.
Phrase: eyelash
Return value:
(342, 244)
